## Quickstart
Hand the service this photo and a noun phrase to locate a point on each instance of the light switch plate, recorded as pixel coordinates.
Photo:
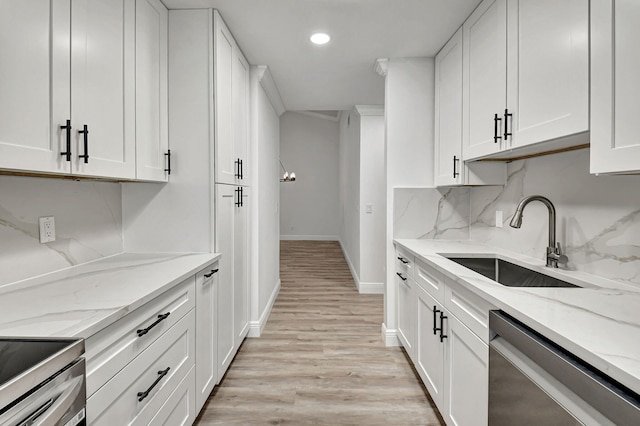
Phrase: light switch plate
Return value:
(47, 229)
(498, 218)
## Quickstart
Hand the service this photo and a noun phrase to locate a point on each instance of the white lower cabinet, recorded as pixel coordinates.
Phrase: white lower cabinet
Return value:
(138, 391)
(158, 364)
(406, 312)
(429, 360)
(466, 376)
(206, 333)
(450, 350)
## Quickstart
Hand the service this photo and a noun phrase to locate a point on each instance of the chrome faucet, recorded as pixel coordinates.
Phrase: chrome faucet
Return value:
(554, 251)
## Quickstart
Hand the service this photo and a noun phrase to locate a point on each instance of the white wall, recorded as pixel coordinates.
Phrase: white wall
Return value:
(409, 110)
(309, 206)
(350, 190)
(265, 271)
(88, 219)
(372, 184)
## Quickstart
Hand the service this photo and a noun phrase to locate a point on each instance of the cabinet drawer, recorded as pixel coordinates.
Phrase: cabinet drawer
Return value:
(429, 279)
(180, 408)
(469, 308)
(404, 262)
(118, 401)
(111, 349)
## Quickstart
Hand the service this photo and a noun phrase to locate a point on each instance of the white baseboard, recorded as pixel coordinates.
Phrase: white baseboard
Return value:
(256, 327)
(354, 275)
(371, 288)
(390, 337)
(310, 237)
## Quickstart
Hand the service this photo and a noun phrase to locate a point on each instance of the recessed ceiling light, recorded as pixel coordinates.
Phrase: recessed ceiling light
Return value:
(320, 38)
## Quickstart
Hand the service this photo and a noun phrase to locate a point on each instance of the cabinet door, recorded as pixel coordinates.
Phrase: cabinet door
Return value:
(429, 348)
(406, 312)
(548, 70)
(223, 94)
(484, 36)
(103, 87)
(241, 266)
(34, 84)
(448, 114)
(615, 87)
(206, 333)
(225, 212)
(240, 92)
(152, 140)
(466, 376)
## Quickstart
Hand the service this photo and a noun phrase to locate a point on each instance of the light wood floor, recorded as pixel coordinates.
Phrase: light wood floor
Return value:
(320, 359)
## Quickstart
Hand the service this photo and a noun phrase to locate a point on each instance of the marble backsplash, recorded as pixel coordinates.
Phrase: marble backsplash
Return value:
(598, 217)
(432, 213)
(88, 219)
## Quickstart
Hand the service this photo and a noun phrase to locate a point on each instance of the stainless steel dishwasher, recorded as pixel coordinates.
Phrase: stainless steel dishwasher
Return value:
(533, 381)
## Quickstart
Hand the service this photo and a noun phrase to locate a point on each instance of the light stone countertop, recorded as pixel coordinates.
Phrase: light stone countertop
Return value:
(84, 299)
(599, 323)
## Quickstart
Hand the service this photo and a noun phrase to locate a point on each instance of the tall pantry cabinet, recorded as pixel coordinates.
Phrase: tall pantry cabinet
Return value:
(204, 58)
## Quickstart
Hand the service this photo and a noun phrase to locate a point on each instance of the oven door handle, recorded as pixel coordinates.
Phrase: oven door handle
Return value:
(62, 402)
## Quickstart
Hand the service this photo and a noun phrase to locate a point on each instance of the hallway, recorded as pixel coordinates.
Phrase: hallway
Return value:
(320, 359)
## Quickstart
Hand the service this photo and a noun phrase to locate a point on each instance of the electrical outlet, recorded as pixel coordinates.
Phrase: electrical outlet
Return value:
(47, 229)
(499, 219)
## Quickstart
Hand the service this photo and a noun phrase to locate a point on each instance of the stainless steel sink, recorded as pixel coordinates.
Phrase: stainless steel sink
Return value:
(509, 274)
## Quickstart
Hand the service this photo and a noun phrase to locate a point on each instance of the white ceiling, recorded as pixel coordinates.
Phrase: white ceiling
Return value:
(338, 75)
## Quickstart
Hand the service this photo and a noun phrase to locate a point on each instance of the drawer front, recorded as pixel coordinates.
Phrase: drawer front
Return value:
(180, 408)
(404, 262)
(470, 309)
(118, 401)
(432, 281)
(111, 349)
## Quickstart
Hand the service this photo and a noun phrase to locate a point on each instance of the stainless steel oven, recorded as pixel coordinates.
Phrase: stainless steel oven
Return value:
(533, 381)
(42, 382)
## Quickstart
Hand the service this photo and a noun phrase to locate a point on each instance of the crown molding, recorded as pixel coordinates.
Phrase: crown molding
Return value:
(264, 77)
(318, 115)
(381, 66)
(363, 110)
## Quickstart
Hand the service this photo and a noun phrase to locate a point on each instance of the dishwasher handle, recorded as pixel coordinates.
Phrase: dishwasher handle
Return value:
(616, 402)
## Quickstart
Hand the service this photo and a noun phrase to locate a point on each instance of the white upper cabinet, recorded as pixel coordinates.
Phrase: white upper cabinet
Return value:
(484, 75)
(103, 88)
(548, 70)
(152, 132)
(448, 112)
(526, 77)
(615, 87)
(34, 84)
(449, 166)
(231, 93)
(80, 81)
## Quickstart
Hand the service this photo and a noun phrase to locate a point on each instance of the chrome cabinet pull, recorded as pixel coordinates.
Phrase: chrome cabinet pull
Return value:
(161, 374)
(67, 153)
(161, 318)
(85, 132)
